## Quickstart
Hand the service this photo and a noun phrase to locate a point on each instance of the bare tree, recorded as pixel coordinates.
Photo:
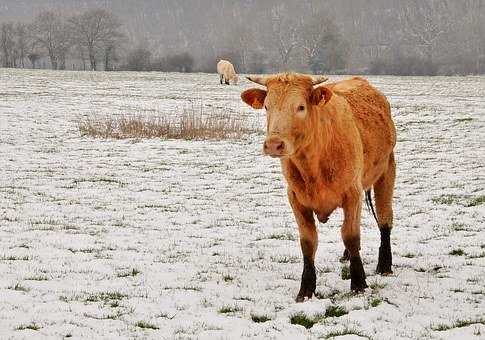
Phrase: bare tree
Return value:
(21, 43)
(284, 32)
(424, 23)
(139, 59)
(97, 30)
(7, 44)
(50, 32)
(324, 49)
(33, 58)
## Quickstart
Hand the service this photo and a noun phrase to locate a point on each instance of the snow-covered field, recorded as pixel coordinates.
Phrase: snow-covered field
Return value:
(195, 239)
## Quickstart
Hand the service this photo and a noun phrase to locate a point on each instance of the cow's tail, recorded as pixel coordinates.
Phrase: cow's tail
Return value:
(370, 206)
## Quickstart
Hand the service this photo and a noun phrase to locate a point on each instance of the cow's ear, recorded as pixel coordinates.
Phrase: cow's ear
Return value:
(320, 94)
(254, 98)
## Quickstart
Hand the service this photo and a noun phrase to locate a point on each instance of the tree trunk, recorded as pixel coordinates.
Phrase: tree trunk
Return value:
(53, 61)
(62, 62)
(92, 59)
(106, 59)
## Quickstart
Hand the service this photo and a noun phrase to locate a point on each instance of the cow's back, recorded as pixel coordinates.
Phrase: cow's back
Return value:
(372, 114)
(221, 66)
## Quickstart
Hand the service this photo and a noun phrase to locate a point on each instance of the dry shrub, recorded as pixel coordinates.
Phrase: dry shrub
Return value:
(191, 125)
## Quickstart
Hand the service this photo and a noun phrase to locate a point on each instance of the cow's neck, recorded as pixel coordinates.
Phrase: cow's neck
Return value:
(315, 160)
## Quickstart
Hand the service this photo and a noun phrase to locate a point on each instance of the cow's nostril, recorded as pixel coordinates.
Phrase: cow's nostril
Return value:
(280, 146)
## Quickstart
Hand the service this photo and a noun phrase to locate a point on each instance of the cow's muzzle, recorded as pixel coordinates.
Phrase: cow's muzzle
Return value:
(274, 147)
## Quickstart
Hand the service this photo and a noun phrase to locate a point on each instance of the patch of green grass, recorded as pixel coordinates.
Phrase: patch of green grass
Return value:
(37, 278)
(19, 287)
(105, 297)
(409, 255)
(114, 303)
(345, 274)
(375, 302)
(447, 199)
(466, 119)
(31, 326)
(303, 320)
(186, 287)
(335, 311)
(457, 226)
(15, 258)
(165, 315)
(457, 290)
(227, 278)
(258, 318)
(229, 309)
(458, 324)
(476, 201)
(457, 252)
(133, 272)
(98, 180)
(244, 298)
(346, 331)
(375, 286)
(284, 236)
(145, 325)
(466, 201)
(285, 259)
(45, 220)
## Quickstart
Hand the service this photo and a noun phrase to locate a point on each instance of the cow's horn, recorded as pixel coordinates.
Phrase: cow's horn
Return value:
(261, 80)
(318, 79)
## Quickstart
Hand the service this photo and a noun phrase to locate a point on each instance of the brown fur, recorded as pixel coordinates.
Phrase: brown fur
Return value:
(339, 146)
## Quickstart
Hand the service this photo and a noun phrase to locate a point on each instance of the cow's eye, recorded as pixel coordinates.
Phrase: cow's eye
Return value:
(265, 107)
(301, 108)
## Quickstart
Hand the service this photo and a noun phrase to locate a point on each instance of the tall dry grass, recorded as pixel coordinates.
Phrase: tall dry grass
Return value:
(193, 124)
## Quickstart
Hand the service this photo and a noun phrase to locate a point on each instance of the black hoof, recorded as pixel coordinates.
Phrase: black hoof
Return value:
(345, 256)
(384, 264)
(384, 267)
(308, 281)
(357, 275)
(306, 293)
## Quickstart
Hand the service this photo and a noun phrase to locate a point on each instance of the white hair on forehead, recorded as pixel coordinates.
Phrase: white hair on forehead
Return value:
(263, 79)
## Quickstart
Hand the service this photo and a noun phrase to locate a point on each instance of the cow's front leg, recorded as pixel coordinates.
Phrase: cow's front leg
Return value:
(352, 205)
(308, 243)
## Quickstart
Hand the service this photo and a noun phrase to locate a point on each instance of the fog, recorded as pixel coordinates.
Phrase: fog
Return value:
(359, 36)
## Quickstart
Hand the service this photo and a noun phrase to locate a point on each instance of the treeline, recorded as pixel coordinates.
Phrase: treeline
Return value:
(83, 42)
(411, 37)
(89, 37)
(96, 37)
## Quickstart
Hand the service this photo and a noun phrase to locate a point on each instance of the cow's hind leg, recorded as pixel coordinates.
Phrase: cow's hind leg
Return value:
(308, 243)
(221, 78)
(352, 206)
(383, 191)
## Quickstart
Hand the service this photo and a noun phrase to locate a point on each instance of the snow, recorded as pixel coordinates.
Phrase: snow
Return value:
(98, 235)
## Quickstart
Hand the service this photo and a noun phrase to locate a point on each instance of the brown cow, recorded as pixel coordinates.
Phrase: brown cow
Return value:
(334, 142)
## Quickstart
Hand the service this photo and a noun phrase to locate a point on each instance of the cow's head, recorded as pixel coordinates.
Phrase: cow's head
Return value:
(290, 102)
